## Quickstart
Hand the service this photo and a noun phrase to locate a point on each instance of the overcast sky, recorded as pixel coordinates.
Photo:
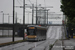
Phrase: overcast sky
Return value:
(7, 5)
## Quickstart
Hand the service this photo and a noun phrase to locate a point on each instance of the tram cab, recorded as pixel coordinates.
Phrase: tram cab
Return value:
(36, 33)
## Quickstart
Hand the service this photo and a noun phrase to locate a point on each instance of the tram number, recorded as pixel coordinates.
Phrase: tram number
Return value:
(31, 28)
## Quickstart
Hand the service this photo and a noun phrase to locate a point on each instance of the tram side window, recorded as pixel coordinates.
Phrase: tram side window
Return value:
(31, 32)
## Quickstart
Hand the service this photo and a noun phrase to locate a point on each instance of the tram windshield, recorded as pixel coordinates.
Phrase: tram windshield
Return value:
(31, 32)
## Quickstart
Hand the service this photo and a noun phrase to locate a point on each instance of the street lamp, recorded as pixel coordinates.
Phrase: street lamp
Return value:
(2, 15)
(3, 22)
(23, 18)
(47, 16)
(13, 20)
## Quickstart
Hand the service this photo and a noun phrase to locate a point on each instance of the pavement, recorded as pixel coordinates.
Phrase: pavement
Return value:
(9, 39)
(69, 44)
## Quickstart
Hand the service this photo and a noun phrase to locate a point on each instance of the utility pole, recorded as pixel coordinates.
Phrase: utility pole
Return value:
(47, 17)
(28, 17)
(8, 18)
(32, 12)
(16, 17)
(23, 17)
(8, 23)
(3, 23)
(3, 18)
(36, 12)
(13, 20)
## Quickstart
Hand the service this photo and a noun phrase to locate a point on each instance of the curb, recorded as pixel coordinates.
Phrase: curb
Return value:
(51, 46)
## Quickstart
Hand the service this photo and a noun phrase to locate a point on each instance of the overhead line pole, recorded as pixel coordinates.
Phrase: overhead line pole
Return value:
(47, 17)
(23, 16)
(13, 20)
(16, 18)
(32, 12)
(36, 12)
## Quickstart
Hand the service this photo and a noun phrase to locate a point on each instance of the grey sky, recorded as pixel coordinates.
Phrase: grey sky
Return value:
(6, 7)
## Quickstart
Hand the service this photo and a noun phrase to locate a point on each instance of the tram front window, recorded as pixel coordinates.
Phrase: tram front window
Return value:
(31, 32)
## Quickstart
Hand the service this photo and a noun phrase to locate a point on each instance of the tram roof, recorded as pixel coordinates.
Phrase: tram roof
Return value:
(36, 26)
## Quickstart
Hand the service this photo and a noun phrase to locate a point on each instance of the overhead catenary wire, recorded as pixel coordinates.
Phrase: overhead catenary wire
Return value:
(30, 1)
(19, 2)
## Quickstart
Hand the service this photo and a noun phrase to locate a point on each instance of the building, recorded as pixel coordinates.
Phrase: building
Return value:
(41, 15)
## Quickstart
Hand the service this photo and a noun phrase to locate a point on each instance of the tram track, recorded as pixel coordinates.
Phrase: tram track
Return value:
(10, 47)
(20, 45)
(36, 45)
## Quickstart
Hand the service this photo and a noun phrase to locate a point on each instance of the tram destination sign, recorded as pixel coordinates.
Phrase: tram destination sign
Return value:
(31, 27)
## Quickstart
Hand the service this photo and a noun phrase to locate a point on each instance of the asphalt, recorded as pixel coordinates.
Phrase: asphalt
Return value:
(54, 33)
(58, 45)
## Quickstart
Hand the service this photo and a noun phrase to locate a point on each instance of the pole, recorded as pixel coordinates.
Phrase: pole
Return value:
(8, 23)
(47, 17)
(8, 18)
(28, 17)
(13, 20)
(32, 12)
(44, 17)
(36, 12)
(16, 17)
(3, 23)
(20, 21)
(23, 15)
(3, 18)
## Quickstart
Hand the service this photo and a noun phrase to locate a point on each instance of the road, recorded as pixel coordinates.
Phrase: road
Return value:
(54, 33)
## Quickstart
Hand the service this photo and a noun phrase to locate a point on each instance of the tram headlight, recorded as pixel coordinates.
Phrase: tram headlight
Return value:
(35, 36)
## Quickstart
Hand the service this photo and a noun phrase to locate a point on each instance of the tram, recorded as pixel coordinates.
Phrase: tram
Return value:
(36, 33)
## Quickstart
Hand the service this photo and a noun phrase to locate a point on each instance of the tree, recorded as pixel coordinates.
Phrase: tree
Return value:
(68, 8)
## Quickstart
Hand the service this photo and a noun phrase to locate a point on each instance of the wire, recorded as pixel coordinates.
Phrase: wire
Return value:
(21, 0)
(29, 1)
(18, 2)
